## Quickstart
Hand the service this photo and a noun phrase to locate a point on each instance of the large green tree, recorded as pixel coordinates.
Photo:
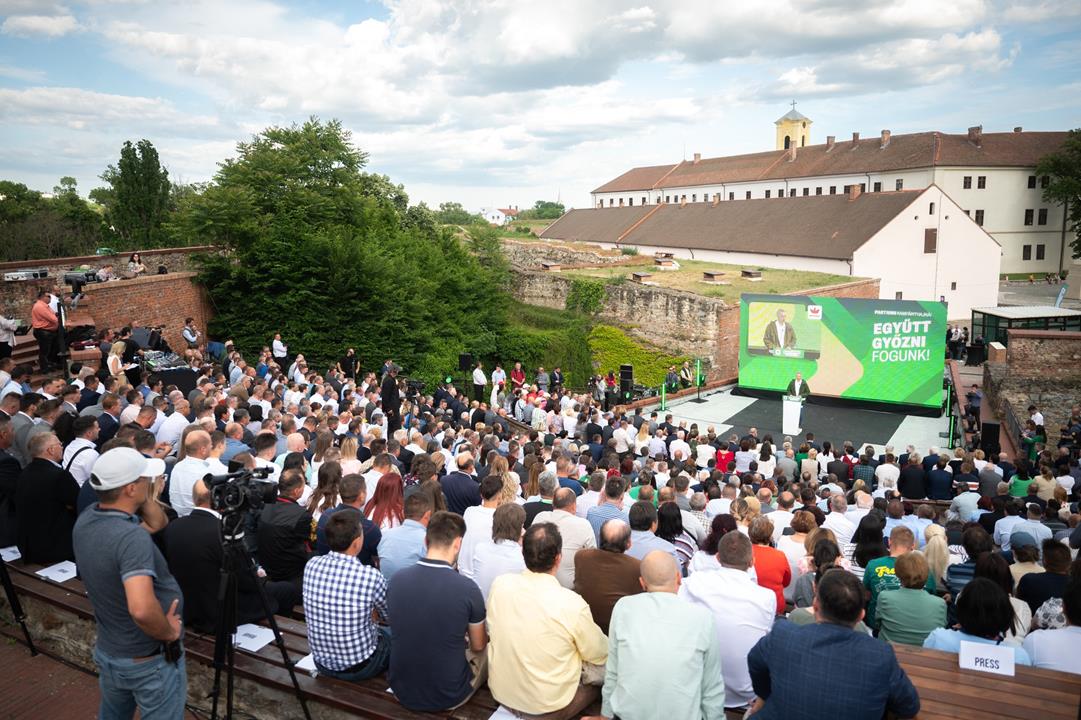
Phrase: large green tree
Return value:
(137, 202)
(1064, 187)
(331, 257)
(452, 213)
(35, 226)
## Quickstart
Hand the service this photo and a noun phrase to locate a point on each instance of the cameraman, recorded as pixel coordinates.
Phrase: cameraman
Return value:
(138, 650)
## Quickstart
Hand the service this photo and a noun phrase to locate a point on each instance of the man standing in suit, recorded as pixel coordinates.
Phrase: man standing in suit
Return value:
(193, 548)
(787, 685)
(779, 334)
(22, 423)
(798, 386)
(392, 399)
(45, 504)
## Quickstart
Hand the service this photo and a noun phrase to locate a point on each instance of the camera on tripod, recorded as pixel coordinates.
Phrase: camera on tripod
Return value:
(238, 491)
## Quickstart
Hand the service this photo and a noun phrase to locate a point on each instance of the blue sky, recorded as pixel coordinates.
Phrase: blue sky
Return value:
(503, 103)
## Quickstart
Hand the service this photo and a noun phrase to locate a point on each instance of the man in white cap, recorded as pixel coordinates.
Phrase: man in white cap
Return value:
(136, 600)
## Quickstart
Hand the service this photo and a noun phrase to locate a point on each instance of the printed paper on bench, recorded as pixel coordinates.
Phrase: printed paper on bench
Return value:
(252, 638)
(10, 554)
(59, 572)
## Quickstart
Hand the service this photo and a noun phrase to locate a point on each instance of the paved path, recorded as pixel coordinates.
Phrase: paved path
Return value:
(40, 687)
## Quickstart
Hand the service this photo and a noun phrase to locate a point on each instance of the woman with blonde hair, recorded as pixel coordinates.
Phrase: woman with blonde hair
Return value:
(349, 461)
(937, 552)
(641, 440)
(511, 491)
(115, 361)
(810, 464)
(532, 486)
(745, 510)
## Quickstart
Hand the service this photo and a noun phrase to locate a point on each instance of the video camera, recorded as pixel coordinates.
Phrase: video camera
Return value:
(240, 490)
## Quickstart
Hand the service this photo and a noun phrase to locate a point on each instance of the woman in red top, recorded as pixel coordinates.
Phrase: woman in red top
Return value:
(517, 377)
(771, 565)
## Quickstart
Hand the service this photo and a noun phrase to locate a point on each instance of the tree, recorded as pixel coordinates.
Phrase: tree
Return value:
(1064, 187)
(546, 210)
(332, 257)
(33, 226)
(139, 201)
(452, 213)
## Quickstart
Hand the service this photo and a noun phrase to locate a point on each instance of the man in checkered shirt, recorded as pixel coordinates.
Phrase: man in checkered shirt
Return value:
(339, 596)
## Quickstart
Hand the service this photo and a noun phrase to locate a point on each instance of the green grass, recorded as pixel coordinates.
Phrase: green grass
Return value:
(689, 278)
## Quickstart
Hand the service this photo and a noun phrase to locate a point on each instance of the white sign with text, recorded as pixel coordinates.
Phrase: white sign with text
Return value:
(996, 659)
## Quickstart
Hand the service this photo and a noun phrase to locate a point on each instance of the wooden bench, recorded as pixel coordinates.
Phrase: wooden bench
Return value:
(947, 691)
(712, 275)
(662, 262)
(641, 277)
(751, 274)
(47, 603)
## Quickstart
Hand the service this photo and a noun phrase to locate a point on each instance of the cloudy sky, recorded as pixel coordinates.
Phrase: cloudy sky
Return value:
(505, 102)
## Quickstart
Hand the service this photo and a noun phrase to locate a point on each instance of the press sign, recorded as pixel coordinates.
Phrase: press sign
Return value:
(997, 659)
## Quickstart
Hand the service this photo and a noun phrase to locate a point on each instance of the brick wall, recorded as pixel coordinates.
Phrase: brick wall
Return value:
(154, 300)
(16, 297)
(1042, 368)
(530, 255)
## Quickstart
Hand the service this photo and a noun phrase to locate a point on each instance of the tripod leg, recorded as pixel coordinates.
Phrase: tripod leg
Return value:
(249, 567)
(16, 606)
(223, 638)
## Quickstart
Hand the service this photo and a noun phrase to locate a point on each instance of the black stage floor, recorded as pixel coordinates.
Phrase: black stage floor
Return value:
(828, 422)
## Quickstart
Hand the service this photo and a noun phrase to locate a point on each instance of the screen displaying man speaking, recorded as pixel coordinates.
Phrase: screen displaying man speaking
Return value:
(874, 350)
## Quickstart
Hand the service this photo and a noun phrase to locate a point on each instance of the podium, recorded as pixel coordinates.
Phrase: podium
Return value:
(791, 408)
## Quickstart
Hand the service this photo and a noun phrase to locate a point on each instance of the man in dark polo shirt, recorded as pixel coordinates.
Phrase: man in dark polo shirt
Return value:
(432, 608)
(604, 575)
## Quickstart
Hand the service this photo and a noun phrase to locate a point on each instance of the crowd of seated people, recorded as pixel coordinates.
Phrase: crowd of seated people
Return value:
(562, 553)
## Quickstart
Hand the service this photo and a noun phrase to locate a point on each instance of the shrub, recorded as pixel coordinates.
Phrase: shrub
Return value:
(585, 296)
(611, 347)
(628, 250)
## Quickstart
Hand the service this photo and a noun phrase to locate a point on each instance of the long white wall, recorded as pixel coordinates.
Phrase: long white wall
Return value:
(750, 260)
(964, 269)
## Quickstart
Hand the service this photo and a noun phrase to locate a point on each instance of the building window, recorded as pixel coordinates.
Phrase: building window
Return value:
(966, 182)
(953, 286)
(611, 202)
(600, 203)
(931, 209)
(780, 192)
(683, 198)
(833, 189)
(1029, 214)
(731, 196)
(981, 182)
(1045, 181)
(806, 192)
(863, 187)
(1026, 252)
(792, 192)
(787, 142)
(644, 201)
(630, 201)
(1040, 251)
(877, 187)
(1041, 217)
(748, 195)
(767, 194)
(621, 202)
(658, 199)
(979, 218)
(968, 213)
(898, 295)
(899, 184)
(818, 190)
(668, 198)
(694, 197)
(930, 240)
(1031, 182)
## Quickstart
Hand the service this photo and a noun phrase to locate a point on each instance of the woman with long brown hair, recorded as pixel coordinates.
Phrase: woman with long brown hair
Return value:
(386, 507)
(325, 496)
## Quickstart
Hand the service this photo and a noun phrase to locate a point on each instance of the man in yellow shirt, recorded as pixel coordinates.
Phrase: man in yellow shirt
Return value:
(546, 655)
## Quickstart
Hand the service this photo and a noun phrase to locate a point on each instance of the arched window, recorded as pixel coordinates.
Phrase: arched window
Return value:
(787, 142)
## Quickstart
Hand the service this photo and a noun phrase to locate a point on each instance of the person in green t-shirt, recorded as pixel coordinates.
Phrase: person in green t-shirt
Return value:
(880, 574)
(1019, 484)
(908, 614)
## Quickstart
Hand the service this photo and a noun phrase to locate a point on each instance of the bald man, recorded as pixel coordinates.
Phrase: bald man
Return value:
(663, 660)
(186, 472)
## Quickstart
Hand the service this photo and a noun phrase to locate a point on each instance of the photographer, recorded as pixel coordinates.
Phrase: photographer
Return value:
(136, 600)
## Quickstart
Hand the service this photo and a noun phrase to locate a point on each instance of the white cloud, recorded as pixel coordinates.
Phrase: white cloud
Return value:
(19, 73)
(77, 108)
(47, 25)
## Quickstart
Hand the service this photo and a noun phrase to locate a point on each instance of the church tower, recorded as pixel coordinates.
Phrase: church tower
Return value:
(793, 129)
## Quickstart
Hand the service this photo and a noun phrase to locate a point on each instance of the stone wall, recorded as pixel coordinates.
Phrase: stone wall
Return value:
(674, 321)
(1042, 368)
(530, 255)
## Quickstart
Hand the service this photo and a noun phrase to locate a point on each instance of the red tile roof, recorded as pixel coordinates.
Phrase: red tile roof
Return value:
(903, 152)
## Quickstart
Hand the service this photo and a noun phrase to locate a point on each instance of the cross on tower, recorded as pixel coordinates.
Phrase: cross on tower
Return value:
(793, 104)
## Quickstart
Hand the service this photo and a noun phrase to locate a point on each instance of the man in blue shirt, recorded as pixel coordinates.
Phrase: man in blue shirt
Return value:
(353, 493)
(788, 686)
(432, 609)
(565, 470)
(610, 508)
(402, 546)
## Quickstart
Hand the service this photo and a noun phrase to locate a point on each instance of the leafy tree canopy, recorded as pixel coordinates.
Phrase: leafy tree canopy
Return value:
(452, 213)
(543, 210)
(333, 257)
(1064, 170)
(35, 226)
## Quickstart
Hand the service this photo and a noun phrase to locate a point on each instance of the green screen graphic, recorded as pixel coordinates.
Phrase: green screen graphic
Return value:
(878, 350)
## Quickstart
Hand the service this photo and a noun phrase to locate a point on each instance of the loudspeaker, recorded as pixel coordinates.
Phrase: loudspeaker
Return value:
(465, 361)
(989, 438)
(626, 381)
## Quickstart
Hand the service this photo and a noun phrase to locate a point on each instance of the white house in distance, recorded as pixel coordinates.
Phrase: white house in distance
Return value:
(992, 177)
(919, 243)
(499, 216)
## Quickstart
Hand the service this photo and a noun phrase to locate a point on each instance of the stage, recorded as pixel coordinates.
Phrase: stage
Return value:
(729, 413)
